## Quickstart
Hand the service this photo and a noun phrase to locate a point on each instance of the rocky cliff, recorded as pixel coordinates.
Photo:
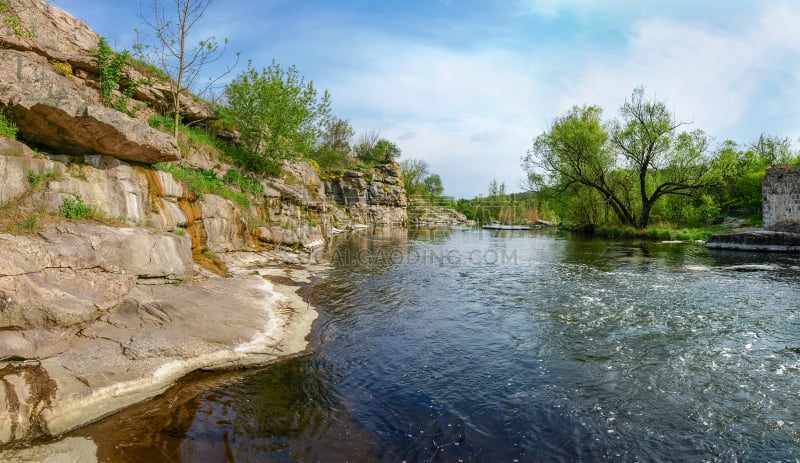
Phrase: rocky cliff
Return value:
(157, 280)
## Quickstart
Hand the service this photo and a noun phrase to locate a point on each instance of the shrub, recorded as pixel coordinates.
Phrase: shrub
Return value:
(35, 179)
(110, 66)
(205, 181)
(243, 182)
(75, 208)
(8, 128)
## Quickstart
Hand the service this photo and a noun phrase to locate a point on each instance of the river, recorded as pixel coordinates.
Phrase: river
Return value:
(465, 345)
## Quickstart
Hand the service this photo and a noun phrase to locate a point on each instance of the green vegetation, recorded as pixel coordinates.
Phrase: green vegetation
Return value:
(205, 181)
(110, 66)
(245, 183)
(513, 209)
(641, 169)
(418, 181)
(35, 180)
(280, 115)
(8, 128)
(75, 208)
(660, 233)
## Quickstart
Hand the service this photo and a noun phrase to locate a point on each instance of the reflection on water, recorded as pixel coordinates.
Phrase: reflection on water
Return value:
(465, 345)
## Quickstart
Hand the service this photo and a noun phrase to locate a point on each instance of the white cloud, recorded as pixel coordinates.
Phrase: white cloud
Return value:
(713, 77)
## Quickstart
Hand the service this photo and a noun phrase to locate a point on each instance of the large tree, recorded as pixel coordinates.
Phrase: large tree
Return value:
(175, 54)
(631, 162)
(280, 115)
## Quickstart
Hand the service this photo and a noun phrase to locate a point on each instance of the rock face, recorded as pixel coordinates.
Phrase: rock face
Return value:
(375, 197)
(53, 110)
(48, 31)
(424, 214)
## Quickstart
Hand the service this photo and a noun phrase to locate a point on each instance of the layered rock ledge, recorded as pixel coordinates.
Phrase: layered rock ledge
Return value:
(86, 333)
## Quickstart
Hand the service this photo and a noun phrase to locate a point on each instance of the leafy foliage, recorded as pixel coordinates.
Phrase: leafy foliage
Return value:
(629, 164)
(75, 208)
(205, 181)
(377, 150)
(8, 128)
(335, 150)
(110, 66)
(281, 116)
(245, 183)
(35, 180)
(414, 170)
(11, 20)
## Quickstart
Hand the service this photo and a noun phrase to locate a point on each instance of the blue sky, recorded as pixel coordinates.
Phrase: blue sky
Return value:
(467, 84)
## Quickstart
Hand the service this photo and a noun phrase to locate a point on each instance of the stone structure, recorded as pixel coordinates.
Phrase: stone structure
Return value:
(781, 197)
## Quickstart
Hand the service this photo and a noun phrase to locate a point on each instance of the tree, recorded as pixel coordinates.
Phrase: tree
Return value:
(281, 116)
(366, 145)
(337, 135)
(774, 150)
(632, 162)
(414, 171)
(372, 149)
(334, 149)
(664, 161)
(433, 185)
(385, 151)
(179, 60)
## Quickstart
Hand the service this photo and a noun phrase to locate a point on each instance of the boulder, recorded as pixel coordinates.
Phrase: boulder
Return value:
(51, 109)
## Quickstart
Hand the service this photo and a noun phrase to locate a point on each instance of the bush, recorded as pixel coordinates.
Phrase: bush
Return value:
(243, 182)
(35, 179)
(8, 128)
(75, 208)
(205, 181)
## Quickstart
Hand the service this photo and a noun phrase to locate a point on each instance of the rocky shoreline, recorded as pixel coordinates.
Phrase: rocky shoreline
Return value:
(253, 318)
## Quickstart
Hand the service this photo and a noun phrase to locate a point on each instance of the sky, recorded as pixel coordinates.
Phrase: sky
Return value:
(466, 85)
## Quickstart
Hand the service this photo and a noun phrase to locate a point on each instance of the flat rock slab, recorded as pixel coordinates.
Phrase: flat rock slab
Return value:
(141, 347)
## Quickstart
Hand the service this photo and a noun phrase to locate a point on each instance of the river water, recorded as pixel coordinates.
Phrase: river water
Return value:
(467, 345)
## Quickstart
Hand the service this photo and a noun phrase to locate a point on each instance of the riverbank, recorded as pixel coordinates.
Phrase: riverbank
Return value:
(253, 318)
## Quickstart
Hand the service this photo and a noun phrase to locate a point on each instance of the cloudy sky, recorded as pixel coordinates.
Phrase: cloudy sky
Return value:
(467, 84)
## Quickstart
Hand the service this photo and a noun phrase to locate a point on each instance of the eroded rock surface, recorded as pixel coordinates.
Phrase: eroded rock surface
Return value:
(84, 332)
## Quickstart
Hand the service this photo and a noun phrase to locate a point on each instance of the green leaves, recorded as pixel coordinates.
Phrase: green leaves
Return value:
(109, 65)
(281, 116)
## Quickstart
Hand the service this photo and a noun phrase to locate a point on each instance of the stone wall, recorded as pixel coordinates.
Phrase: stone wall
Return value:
(781, 197)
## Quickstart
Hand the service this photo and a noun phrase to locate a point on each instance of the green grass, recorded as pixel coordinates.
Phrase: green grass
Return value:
(205, 181)
(35, 180)
(147, 69)
(8, 128)
(245, 183)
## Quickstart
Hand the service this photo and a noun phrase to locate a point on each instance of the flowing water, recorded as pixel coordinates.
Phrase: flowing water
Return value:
(464, 345)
